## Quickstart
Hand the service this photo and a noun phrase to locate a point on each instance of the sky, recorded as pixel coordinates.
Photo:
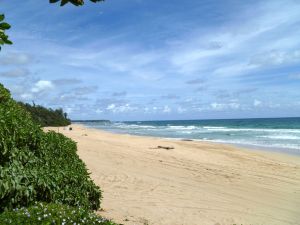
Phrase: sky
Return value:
(144, 60)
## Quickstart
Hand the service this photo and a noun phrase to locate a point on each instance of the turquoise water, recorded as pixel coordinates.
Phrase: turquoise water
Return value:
(281, 134)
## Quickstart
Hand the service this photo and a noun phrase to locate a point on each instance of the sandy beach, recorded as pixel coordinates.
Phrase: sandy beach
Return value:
(193, 183)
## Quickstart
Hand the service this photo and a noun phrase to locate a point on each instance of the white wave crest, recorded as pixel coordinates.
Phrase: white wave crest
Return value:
(281, 137)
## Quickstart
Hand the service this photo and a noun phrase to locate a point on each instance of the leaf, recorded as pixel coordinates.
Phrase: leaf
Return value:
(2, 17)
(63, 2)
(8, 42)
(4, 38)
(4, 26)
(77, 2)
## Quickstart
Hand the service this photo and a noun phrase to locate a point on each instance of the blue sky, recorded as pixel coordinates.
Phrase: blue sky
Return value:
(143, 60)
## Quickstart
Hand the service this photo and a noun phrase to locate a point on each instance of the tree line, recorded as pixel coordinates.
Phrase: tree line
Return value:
(46, 117)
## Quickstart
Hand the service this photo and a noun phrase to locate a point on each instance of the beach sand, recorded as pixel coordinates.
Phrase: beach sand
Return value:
(196, 183)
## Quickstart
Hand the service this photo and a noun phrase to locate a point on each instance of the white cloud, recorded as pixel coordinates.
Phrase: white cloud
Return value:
(234, 105)
(181, 110)
(120, 59)
(42, 85)
(111, 107)
(276, 58)
(99, 111)
(167, 109)
(26, 96)
(261, 40)
(125, 108)
(121, 108)
(223, 106)
(217, 106)
(235, 69)
(257, 103)
(69, 110)
(274, 105)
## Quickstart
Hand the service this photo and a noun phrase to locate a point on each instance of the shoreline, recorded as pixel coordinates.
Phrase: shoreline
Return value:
(194, 183)
(247, 147)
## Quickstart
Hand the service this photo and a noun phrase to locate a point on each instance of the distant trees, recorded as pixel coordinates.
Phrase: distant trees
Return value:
(46, 117)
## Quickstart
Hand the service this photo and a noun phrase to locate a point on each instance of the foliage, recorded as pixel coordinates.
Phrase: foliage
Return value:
(46, 214)
(38, 166)
(46, 117)
(74, 2)
(3, 27)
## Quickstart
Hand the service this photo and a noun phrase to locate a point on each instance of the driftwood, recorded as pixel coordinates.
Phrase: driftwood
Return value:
(165, 147)
(186, 139)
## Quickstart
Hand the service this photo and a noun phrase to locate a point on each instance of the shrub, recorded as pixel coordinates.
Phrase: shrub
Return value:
(51, 214)
(38, 166)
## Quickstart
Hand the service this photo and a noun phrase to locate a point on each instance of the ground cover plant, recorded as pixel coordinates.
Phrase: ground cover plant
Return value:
(38, 166)
(46, 214)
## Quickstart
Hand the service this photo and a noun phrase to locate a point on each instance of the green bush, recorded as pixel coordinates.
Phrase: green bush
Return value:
(38, 166)
(51, 214)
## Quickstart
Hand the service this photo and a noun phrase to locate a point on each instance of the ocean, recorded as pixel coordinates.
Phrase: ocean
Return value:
(276, 134)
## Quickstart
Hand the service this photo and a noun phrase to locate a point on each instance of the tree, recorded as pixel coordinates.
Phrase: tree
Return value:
(5, 26)
(74, 2)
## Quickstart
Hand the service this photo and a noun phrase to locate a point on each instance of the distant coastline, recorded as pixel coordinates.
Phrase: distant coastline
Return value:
(82, 121)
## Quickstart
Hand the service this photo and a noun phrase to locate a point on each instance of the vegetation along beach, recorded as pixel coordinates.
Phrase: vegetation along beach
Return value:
(140, 112)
